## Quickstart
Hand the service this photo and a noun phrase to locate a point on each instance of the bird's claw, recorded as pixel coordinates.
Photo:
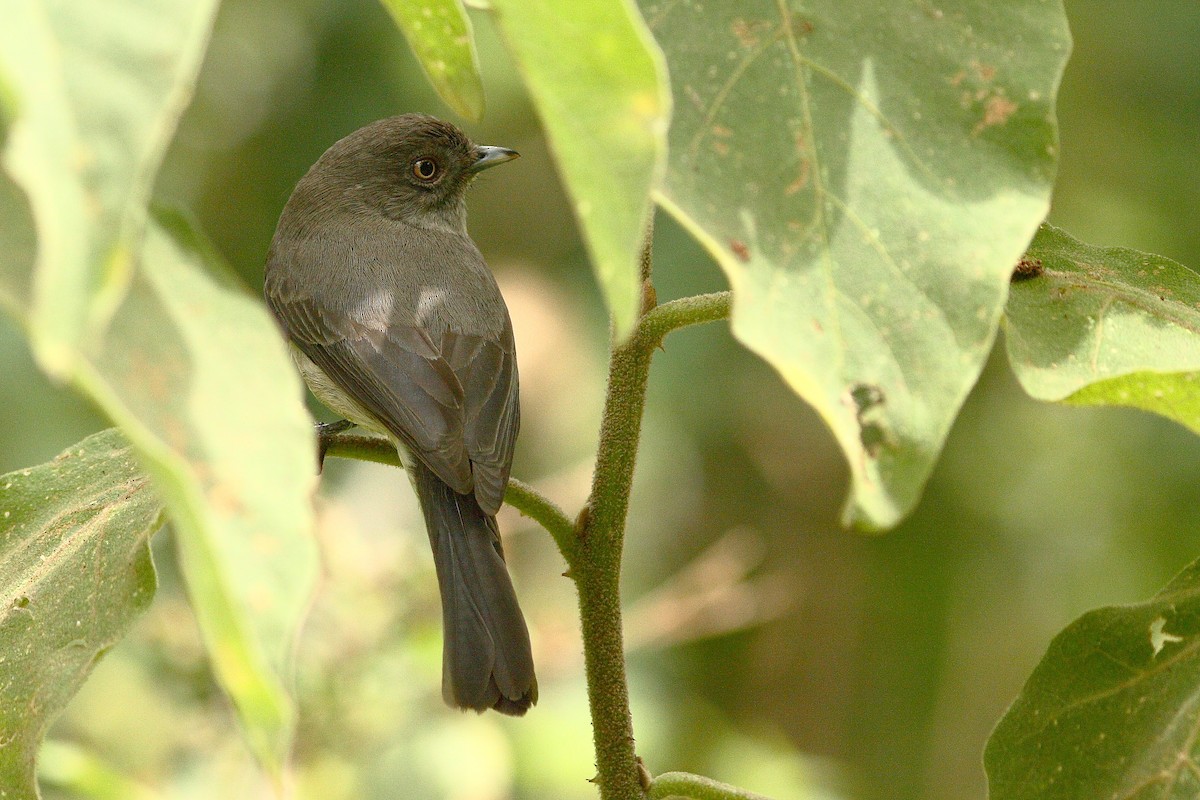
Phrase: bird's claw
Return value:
(325, 433)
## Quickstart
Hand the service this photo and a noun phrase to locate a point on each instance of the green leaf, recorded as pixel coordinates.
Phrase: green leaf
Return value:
(20, 249)
(96, 90)
(193, 372)
(8, 106)
(1106, 326)
(696, 787)
(599, 84)
(439, 33)
(75, 571)
(1111, 711)
(197, 376)
(84, 774)
(1173, 395)
(866, 173)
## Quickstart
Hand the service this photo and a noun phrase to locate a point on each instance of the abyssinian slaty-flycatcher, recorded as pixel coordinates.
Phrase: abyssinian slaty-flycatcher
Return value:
(397, 324)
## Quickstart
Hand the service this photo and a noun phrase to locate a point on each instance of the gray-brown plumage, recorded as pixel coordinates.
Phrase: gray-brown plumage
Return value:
(397, 324)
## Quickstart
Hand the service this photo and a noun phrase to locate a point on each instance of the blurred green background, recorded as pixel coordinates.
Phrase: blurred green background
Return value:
(767, 647)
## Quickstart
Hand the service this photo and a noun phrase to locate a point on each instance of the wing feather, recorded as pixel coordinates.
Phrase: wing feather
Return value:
(451, 399)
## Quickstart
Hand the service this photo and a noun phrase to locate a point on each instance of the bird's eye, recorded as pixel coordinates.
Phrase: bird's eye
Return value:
(425, 169)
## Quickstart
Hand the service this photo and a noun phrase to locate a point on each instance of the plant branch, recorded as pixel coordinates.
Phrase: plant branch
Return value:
(545, 512)
(696, 787)
(520, 495)
(597, 567)
(681, 313)
(620, 427)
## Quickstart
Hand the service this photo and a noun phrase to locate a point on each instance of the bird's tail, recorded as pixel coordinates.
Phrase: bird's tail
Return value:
(486, 658)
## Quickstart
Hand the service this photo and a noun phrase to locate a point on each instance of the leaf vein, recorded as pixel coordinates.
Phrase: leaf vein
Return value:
(1141, 299)
(819, 191)
(718, 101)
(1160, 666)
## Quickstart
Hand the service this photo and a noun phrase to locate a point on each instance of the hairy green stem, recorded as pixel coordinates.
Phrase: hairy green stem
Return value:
(601, 535)
(597, 573)
(696, 787)
(681, 313)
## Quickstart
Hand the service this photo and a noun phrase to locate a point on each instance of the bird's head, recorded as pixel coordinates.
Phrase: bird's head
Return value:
(411, 167)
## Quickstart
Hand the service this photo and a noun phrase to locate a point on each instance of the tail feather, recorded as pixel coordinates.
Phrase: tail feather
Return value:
(486, 657)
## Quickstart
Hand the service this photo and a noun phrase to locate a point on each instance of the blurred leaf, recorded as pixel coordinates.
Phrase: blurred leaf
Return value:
(84, 774)
(20, 249)
(194, 373)
(1107, 326)
(1111, 711)
(439, 33)
(866, 174)
(40, 155)
(97, 90)
(75, 571)
(8, 106)
(1173, 395)
(600, 87)
(197, 376)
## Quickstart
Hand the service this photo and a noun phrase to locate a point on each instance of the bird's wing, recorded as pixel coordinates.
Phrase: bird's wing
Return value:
(451, 399)
(487, 371)
(394, 372)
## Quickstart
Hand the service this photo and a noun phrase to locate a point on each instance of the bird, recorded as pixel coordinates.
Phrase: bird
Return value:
(397, 324)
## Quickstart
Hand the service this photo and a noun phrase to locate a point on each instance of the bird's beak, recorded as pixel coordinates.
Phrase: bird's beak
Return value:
(490, 156)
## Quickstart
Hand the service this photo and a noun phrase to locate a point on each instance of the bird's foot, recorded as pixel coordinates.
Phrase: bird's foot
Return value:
(325, 433)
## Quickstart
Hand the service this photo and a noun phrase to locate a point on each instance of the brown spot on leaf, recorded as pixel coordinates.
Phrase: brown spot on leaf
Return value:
(873, 437)
(866, 396)
(800, 27)
(740, 250)
(722, 131)
(868, 401)
(1028, 268)
(720, 147)
(801, 180)
(747, 32)
(996, 111)
(986, 72)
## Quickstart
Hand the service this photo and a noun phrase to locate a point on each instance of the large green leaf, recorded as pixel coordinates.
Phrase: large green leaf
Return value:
(600, 86)
(1112, 710)
(866, 173)
(1106, 326)
(197, 376)
(96, 90)
(193, 372)
(439, 33)
(75, 571)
